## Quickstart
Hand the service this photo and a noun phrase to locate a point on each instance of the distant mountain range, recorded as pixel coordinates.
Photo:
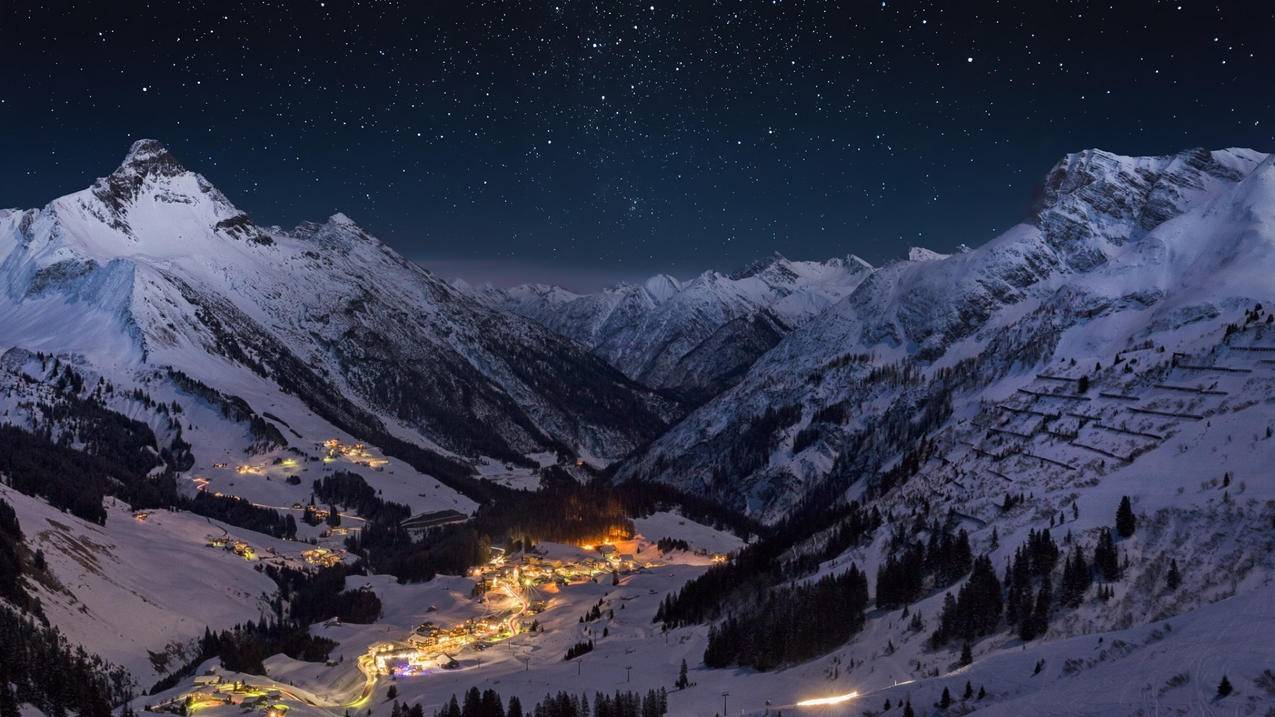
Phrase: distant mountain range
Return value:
(694, 338)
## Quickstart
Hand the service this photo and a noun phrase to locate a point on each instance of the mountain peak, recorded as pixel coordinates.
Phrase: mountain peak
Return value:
(150, 157)
(920, 253)
(341, 220)
(661, 287)
(759, 266)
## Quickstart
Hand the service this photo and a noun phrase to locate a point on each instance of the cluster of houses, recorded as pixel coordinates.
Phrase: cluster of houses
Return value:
(334, 449)
(211, 690)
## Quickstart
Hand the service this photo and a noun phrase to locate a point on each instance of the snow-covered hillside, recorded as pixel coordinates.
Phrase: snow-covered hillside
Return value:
(1120, 252)
(152, 268)
(694, 337)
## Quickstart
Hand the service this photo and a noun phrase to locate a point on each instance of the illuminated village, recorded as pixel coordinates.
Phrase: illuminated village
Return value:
(511, 588)
(514, 589)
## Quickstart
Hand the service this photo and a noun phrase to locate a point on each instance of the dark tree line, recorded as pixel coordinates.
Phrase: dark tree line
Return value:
(976, 609)
(245, 647)
(1028, 584)
(901, 579)
(762, 564)
(668, 544)
(654, 703)
(240, 513)
(578, 649)
(39, 667)
(641, 498)
(116, 461)
(314, 597)
(561, 511)
(68, 479)
(351, 491)
(791, 624)
(1027, 598)
(11, 562)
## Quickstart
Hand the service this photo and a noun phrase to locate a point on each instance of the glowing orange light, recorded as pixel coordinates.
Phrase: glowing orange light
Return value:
(833, 700)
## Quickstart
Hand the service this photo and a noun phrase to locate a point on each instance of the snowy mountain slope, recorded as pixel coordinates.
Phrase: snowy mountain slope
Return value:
(111, 588)
(153, 267)
(695, 337)
(1120, 250)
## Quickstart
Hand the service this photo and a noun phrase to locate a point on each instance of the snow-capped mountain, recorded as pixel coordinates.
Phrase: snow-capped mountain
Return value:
(692, 338)
(990, 408)
(1119, 251)
(153, 267)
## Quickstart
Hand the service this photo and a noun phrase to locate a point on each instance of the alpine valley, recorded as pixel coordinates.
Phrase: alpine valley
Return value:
(289, 470)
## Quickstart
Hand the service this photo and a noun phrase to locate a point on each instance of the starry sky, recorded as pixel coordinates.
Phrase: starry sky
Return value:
(588, 142)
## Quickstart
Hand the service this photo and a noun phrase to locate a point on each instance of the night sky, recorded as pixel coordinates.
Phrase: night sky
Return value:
(582, 143)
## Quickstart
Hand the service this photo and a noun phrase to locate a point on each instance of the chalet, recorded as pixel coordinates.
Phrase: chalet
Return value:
(418, 525)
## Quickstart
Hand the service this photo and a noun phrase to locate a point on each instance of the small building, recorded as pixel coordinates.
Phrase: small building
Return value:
(418, 525)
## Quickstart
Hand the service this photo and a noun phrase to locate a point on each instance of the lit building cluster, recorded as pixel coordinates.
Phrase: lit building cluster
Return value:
(321, 557)
(334, 449)
(212, 691)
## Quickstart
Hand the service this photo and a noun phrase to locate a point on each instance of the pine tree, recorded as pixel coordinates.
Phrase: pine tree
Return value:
(1077, 578)
(1174, 578)
(683, 681)
(515, 707)
(473, 706)
(1040, 614)
(1224, 687)
(966, 655)
(1106, 556)
(982, 692)
(969, 691)
(907, 709)
(1126, 523)
(491, 706)
(1027, 621)
(945, 700)
(392, 692)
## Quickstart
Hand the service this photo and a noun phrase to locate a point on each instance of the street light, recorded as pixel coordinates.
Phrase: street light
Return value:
(628, 671)
(725, 694)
